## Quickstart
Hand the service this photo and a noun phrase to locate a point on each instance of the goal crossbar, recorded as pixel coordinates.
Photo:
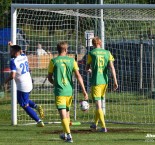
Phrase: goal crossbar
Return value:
(84, 6)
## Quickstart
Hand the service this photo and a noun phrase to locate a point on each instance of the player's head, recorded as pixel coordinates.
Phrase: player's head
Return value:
(39, 46)
(96, 41)
(15, 51)
(62, 47)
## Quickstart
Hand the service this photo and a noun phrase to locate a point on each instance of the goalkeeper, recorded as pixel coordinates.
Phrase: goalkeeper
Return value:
(98, 62)
(20, 72)
(61, 69)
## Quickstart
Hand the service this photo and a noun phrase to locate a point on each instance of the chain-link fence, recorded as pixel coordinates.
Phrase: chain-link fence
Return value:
(4, 68)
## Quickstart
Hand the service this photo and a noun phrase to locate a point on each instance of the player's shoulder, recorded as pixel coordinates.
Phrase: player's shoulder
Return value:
(107, 51)
(12, 60)
(60, 59)
(99, 50)
(70, 58)
(92, 50)
(23, 54)
(52, 60)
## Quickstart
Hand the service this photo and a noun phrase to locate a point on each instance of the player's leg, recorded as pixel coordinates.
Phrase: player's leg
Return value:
(68, 116)
(100, 114)
(64, 119)
(23, 100)
(68, 105)
(61, 106)
(32, 104)
(37, 107)
(96, 93)
(61, 102)
(99, 106)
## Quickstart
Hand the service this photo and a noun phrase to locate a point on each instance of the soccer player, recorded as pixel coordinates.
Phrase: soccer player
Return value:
(20, 72)
(98, 62)
(61, 69)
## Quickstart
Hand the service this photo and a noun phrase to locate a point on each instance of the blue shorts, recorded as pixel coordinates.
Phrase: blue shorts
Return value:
(23, 98)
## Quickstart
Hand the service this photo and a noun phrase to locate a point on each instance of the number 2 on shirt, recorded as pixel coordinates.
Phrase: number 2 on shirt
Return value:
(25, 67)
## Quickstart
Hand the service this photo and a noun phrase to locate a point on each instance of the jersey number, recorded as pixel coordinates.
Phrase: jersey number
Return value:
(25, 67)
(100, 63)
(64, 79)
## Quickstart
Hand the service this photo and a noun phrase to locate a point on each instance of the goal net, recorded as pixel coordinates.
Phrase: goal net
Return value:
(129, 35)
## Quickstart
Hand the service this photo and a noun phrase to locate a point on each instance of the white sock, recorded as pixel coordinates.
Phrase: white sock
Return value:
(39, 120)
(69, 135)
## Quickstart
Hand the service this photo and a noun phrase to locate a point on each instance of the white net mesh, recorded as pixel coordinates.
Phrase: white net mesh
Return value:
(129, 34)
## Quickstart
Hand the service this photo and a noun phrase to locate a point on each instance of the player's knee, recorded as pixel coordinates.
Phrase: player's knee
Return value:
(25, 106)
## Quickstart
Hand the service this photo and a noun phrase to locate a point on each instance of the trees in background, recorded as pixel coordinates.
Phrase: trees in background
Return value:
(5, 6)
(4, 12)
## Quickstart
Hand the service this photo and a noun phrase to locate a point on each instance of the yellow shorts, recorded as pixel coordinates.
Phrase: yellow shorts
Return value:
(98, 91)
(63, 102)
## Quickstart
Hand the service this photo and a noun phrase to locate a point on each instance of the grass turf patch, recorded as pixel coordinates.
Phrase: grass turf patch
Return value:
(118, 134)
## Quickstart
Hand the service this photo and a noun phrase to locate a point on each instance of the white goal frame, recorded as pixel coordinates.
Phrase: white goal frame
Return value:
(101, 6)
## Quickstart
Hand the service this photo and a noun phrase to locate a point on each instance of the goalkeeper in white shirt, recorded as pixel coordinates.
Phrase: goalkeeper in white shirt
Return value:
(40, 51)
(20, 73)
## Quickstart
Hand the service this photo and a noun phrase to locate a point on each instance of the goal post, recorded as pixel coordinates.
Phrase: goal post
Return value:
(13, 84)
(103, 101)
(121, 26)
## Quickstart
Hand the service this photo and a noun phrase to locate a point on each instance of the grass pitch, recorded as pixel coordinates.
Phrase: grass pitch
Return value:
(118, 134)
(82, 135)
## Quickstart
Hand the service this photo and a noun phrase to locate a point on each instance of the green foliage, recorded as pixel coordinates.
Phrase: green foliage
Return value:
(4, 11)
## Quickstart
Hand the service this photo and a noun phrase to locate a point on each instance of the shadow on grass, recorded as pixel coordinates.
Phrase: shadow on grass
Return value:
(89, 131)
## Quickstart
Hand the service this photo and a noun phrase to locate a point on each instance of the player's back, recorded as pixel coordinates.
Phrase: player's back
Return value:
(63, 70)
(99, 63)
(23, 79)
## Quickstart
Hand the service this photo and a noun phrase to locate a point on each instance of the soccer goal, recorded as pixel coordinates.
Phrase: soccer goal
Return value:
(128, 31)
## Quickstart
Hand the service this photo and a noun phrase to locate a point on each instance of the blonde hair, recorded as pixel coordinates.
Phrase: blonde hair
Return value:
(61, 45)
(96, 41)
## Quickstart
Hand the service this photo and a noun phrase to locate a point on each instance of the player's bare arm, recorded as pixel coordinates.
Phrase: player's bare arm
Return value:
(50, 75)
(112, 68)
(80, 80)
(12, 76)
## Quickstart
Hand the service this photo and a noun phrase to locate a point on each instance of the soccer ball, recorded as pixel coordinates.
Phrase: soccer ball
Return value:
(84, 105)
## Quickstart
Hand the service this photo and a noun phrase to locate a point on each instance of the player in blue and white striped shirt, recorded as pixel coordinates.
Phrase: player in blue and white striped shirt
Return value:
(20, 73)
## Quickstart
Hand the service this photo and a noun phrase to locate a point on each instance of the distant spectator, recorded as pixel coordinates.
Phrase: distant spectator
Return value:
(49, 50)
(81, 49)
(41, 51)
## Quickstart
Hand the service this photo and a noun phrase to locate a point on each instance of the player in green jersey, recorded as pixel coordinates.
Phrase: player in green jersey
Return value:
(98, 62)
(61, 69)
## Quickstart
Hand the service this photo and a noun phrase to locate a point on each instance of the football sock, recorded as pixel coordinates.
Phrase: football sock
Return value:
(65, 125)
(101, 117)
(31, 113)
(64, 130)
(96, 117)
(32, 104)
(68, 120)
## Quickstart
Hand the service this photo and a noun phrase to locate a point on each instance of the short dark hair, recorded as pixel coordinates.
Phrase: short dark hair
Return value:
(16, 48)
(60, 46)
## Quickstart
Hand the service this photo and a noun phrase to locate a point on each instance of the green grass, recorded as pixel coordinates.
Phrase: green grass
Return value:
(125, 107)
(82, 135)
(120, 107)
